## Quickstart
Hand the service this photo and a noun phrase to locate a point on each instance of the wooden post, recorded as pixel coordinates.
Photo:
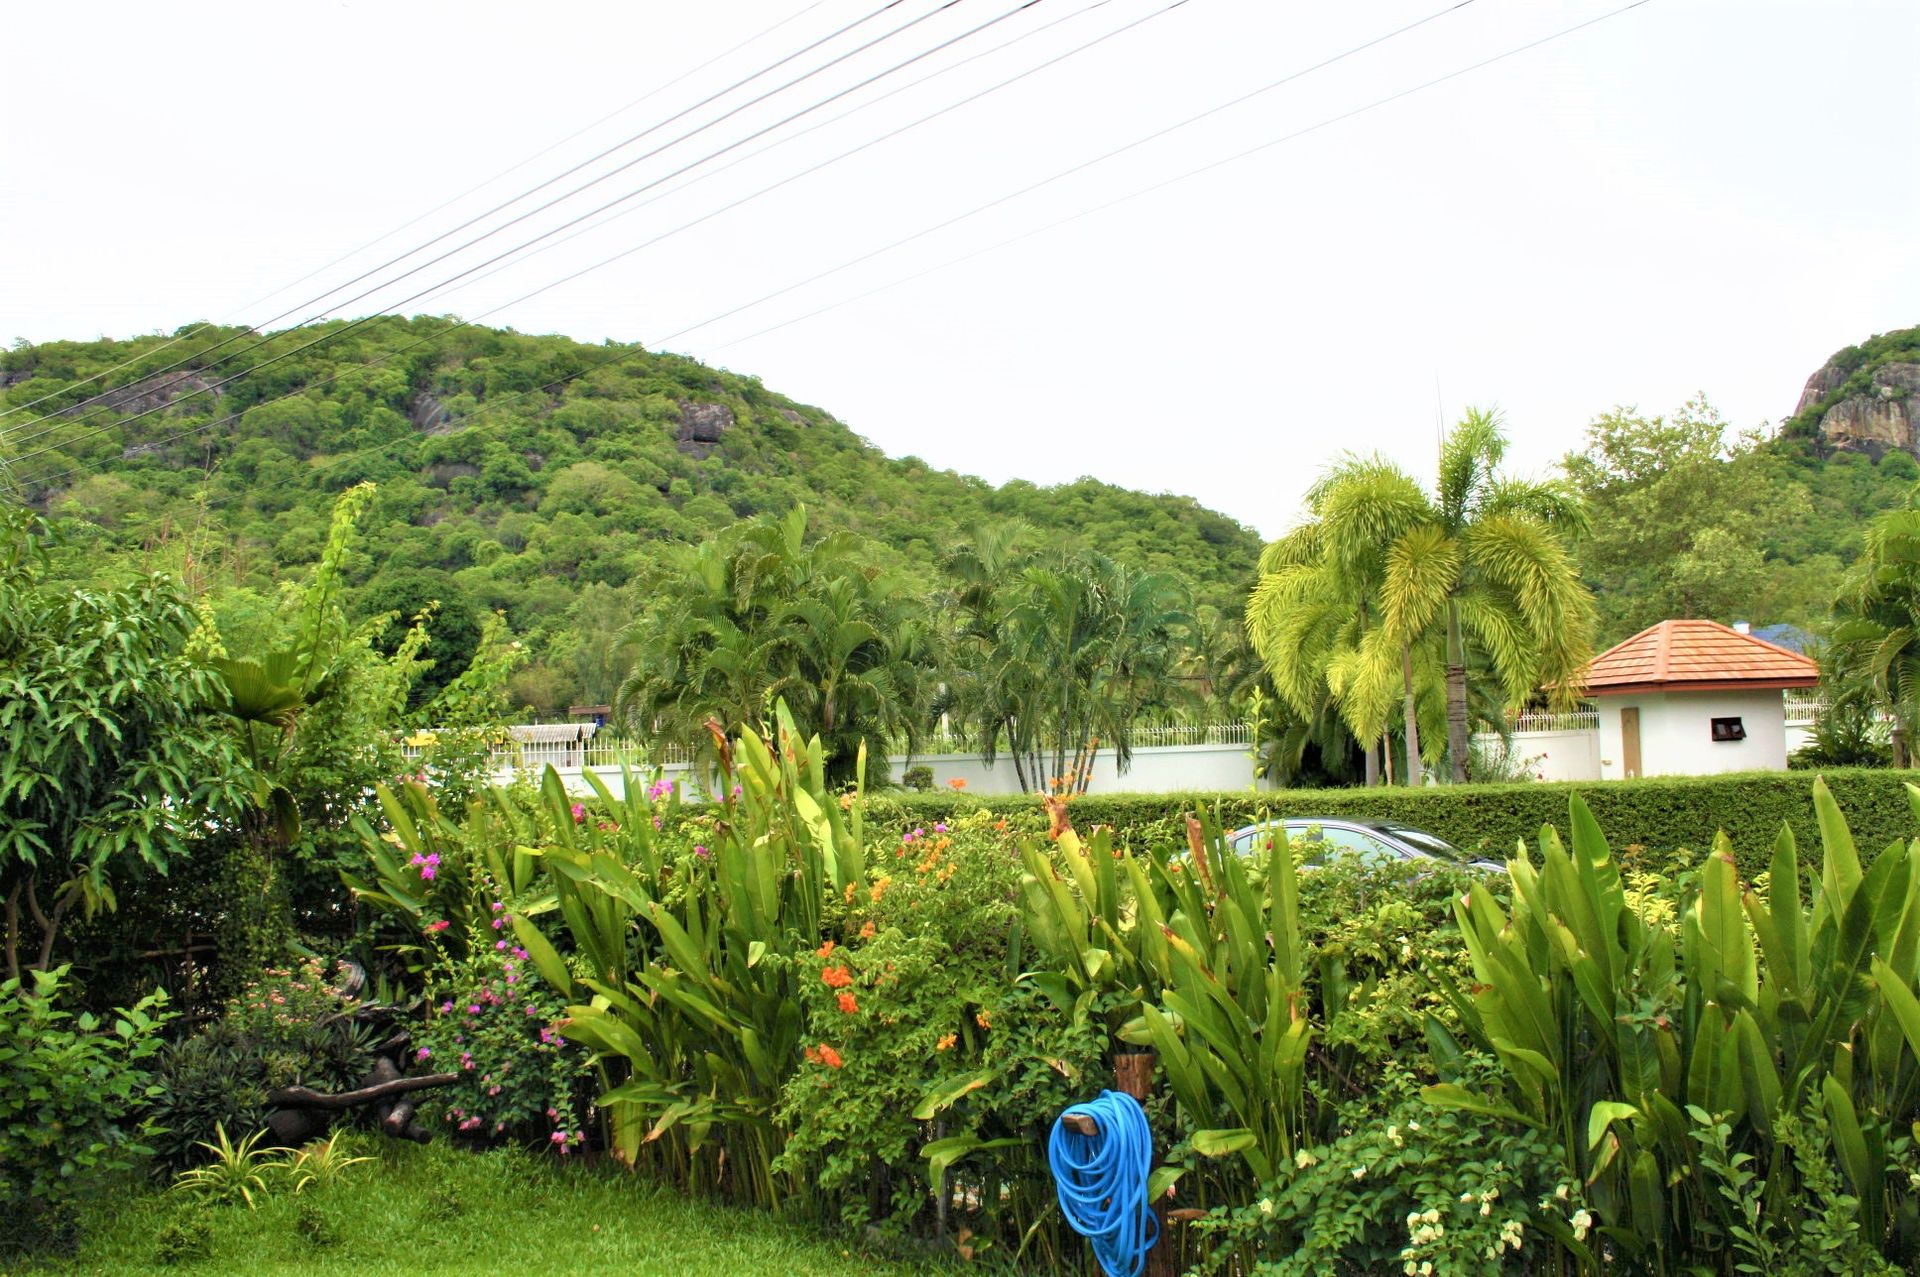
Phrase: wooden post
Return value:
(1134, 1075)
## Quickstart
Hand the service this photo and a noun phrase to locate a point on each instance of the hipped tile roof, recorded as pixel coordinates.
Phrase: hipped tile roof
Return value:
(1695, 656)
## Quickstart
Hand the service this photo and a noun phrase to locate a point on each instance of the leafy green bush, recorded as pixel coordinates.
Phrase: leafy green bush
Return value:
(72, 1094)
(1648, 820)
(290, 1027)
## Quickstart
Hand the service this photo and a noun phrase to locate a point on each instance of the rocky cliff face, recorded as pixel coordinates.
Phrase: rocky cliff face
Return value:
(1867, 404)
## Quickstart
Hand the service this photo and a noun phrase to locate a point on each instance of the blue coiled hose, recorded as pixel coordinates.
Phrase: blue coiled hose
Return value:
(1102, 1181)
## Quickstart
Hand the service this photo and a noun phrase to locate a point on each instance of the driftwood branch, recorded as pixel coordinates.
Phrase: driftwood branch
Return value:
(1080, 1124)
(308, 1098)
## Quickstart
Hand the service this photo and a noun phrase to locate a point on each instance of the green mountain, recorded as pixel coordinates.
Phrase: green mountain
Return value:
(533, 475)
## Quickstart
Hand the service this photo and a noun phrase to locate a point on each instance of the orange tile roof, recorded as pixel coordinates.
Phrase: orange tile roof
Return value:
(1696, 655)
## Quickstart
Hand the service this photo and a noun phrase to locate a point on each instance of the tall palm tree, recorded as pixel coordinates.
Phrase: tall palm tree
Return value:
(1315, 615)
(1393, 580)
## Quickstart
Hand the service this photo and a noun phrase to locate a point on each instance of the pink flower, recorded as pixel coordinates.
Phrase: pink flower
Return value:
(422, 1053)
(558, 1137)
(500, 946)
(579, 812)
(435, 928)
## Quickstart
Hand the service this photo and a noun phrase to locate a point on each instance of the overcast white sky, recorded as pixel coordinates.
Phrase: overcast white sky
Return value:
(1693, 195)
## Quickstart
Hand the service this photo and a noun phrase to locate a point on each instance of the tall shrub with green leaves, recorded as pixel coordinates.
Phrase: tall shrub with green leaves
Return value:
(111, 756)
(1622, 1038)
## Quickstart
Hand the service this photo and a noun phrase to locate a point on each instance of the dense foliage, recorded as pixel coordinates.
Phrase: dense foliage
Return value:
(1661, 825)
(531, 475)
(1693, 519)
(75, 1091)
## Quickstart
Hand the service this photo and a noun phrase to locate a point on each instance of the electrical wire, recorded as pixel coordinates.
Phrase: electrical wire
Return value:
(590, 160)
(196, 329)
(334, 334)
(791, 137)
(631, 351)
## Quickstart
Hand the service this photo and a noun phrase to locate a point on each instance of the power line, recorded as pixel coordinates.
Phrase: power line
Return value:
(1167, 182)
(630, 352)
(7, 411)
(794, 137)
(53, 426)
(590, 160)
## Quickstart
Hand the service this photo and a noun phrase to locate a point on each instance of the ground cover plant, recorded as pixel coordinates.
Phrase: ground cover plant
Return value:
(443, 1210)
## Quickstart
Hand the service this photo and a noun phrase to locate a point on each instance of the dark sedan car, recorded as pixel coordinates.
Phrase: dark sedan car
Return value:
(1375, 842)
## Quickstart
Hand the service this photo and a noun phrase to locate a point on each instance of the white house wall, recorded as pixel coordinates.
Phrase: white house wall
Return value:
(1676, 734)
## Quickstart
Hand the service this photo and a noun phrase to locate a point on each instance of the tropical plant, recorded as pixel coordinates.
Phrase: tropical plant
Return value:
(74, 1090)
(760, 613)
(1611, 1028)
(1876, 633)
(1059, 656)
(242, 1172)
(1386, 582)
(113, 762)
(699, 1025)
(321, 1163)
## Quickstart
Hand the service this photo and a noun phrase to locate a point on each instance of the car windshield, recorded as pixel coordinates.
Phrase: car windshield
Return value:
(1421, 840)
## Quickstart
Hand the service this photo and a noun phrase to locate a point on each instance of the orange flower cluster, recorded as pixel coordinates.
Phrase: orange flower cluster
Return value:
(837, 977)
(866, 932)
(824, 951)
(880, 888)
(847, 1005)
(824, 1054)
(957, 783)
(946, 1043)
(980, 1018)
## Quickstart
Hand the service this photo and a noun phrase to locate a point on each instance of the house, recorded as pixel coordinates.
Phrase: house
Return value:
(1691, 698)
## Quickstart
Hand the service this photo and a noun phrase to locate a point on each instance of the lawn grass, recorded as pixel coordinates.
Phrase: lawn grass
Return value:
(414, 1212)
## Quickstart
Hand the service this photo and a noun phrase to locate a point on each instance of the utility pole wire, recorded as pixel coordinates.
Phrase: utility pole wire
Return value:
(196, 329)
(53, 426)
(650, 129)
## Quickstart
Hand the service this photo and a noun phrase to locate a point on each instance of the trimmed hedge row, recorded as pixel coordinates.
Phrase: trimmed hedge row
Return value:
(1673, 819)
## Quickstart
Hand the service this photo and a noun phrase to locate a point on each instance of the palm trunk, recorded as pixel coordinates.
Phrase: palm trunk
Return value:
(1386, 759)
(1456, 694)
(1413, 718)
(1372, 764)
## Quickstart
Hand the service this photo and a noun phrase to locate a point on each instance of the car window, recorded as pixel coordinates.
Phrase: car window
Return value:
(1370, 850)
(1421, 840)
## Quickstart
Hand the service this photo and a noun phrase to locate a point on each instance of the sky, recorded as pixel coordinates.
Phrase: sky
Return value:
(1685, 196)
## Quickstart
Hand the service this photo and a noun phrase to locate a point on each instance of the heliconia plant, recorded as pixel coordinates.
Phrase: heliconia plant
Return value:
(1208, 962)
(1624, 1039)
(688, 991)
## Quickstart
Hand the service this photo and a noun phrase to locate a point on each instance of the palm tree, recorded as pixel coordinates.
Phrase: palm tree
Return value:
(1876, 632)
(1385, 575)
(1315, 616)
(757, 614)
(1060, 656)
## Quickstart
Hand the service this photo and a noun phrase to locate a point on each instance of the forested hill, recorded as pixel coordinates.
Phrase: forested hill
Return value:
(534, 475)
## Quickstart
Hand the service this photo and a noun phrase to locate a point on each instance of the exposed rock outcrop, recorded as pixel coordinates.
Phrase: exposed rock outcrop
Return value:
(701, 427)
(428, 414)
(1874, 422)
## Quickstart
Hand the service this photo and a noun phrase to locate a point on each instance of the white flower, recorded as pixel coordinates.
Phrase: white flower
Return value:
(1510, 1233)
(1393, 1136)
(1561, 1192)
(1266, 1206)
(1304, 1159)
(1466, 1199)
(1410, 1268)
(1413, 1126)
(1426, 1268)
(1432, 1216)
(1486, 1209)
(1413, 1217)
(1581, 1223)
(1360, 1171)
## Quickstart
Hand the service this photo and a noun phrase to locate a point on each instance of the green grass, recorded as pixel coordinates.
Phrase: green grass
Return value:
(436, 1210)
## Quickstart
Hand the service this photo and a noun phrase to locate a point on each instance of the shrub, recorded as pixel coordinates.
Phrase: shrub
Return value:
(493, 1021)
(72, 1089)
(290, 1027)
(1648, 820)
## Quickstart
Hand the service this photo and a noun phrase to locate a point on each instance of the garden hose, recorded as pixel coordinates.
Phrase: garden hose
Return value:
(1101, 1181)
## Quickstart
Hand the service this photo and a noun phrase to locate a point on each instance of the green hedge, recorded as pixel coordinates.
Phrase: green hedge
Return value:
(1673, 819)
